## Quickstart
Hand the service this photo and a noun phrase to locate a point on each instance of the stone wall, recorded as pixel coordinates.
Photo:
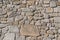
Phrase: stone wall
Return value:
(29, 19)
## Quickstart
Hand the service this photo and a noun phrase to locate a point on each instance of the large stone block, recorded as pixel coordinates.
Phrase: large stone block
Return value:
(29, 30)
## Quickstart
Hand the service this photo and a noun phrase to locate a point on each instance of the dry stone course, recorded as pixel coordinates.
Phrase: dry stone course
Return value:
(29, 19)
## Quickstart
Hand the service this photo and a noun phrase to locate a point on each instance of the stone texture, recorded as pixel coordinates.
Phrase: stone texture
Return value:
(49, 10)
(57, 19)
(32, 31)
(9, 36)
(52, 4)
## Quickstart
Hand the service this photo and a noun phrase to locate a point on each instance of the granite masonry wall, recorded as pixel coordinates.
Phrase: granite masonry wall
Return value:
(29, 19)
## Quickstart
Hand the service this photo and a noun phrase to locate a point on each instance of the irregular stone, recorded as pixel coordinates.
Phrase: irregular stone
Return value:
(32, 31)
(17, 18)
(59, 37)
(37, 22)
(58, 0)
(10, 19)
(13, 29)
(57, 9)
(27, 21)
(29, 13)
(49, 10)
(52, 4)
(3, 25)
(38, 18)
(45, 20)
(57, 19)
(58, 30)
(30, 3)
(46, 1)
(32, 22)
(9, 36)
(28, 38)
(58, 3)
(25, 9)
(5, 30)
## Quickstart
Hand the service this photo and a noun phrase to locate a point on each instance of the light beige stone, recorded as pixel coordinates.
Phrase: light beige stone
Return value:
(57, 19)
(29, 30)
(49, 10)
(58, 3)
(46, 1)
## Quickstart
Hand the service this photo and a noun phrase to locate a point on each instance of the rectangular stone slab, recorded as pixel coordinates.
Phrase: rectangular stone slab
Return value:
(29, 30)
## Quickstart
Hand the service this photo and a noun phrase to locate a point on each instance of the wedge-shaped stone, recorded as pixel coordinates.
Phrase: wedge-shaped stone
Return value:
(29, 30)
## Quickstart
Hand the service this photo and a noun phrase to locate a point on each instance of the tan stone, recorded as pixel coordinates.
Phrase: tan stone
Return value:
(4, 19)
(49, 9)
(30, 17)
(58, 3)
(30, 3)
(29, 30)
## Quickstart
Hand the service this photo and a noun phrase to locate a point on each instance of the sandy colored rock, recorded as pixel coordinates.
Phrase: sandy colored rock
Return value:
(49, 9)
(29, 30)
(58, 3)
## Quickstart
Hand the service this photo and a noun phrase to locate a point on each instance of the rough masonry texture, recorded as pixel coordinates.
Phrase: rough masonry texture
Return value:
(29, 19)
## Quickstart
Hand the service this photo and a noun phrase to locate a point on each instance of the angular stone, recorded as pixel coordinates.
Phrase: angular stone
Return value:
(57, 9)
(29, 30)
(58, 37)
(9, 36)
(25, 9)
(17, 18)
(28, 38)
(4, 30)
(49, 10)
(29, 13)
(3, 25)
(46, 1)
(38, 22)
(13, 29)
(57, 19)
(52, 4)
(30, 3)
(27, 21)
(10, 19)
(58, 3)
(58, 30)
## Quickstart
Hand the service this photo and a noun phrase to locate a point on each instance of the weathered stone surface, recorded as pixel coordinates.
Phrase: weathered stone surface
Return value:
(3, 25)
(49, 10)
(9, 36)
(32, 31)
(58, 3)
(52, 4)
(13, 29)
(46, 1)
(57, 19)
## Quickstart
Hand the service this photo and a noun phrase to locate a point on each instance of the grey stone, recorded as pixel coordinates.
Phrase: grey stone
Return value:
(28, 38)
(37, 22)
(52, 4)
(17, 18)
(57, 9)
(9, 36)
(58, 30)
(22, 38)
(10, 19)
(46, 1)
(27, 21)
(57, 19)
(13, 29)
(4, 30)
(26, 9)
(3, 25)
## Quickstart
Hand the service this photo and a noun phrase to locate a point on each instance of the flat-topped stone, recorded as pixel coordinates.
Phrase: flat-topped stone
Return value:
(29, 30)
